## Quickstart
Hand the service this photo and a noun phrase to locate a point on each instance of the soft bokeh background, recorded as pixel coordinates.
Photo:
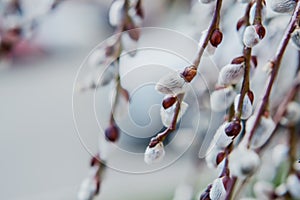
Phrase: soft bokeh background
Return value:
(41, 155)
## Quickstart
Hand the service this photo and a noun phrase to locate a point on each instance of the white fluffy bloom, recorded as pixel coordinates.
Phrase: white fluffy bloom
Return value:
(243, 162)
(210, 49)
(263, 190)
(262, 133)
(293, 186)
(283, 6)
(116, 13)
(171, 84)
(292, 114)
(296, 38)
(221, 139)
(247, 106)
(88, 186)
(217, 191)
(281, 189)
(154, 154)
(221, 99)
(250, 37)
(231, 74)
(168, 114)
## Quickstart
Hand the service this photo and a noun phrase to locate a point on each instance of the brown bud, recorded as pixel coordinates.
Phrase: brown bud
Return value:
(251, 96)
(216, 37)
(227, 182)
(168, 102)
(112, 133)
(238, 60)
(153, 142)
(139, 9)
(254, 60)
(109, 50)
(189, 73)
(95, 160)
(233, 128)
(133, 32)
(260, 30)
(220, 157)
(240, 23)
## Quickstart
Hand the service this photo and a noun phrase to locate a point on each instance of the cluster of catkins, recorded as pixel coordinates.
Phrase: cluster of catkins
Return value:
(126, 16)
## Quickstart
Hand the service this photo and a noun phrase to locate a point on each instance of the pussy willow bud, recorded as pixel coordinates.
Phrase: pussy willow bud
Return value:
(262, 133)
(154, 154)
(241, 23)
(216, 37)
(189, 73)
(293, 186)
(116, 12)
(233, 128)
(238, 60)
(87, 189)
(280, 154)
(167, 115)
(210, 49)
(112, 133)
(292, 114)
(263, 190)
(168, 101)
(221, 99)
(283, 6)
(213, 156)
(243, 162)
(231, 74)
(172, 84)
(253, 34)
(217, 191)
(296, 38)
(246, 107)
(221, 139)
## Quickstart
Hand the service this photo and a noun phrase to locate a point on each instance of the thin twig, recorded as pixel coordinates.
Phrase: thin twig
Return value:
(275, 64)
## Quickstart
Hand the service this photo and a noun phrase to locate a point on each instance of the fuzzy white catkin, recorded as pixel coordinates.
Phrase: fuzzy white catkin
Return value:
(250, 37)
(243, 162)
(154, 154)
(171, 84)
(96, 58)
(231, 74)
(292, 114)
(293, 186)
(87, 189)
(296, 38)
(221, 139)
(283, 6)
(263, 190)
(116, 13)
(262, 133)
(217, 191)
(211, 156)
(247, 106)
(168, 114)
(221, 99)
(281, 189)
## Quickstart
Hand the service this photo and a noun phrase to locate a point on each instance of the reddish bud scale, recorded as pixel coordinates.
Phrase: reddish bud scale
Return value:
(240, 23)
(260, 30)
(133, 32)
(109, 50)
(251, 96)
(254, 60)
(220, 157)
(227, 181)
(168, 102)
(112, 133)
(189, 73)
(139, 9)
(238, 60)
(216, 37)
(125, 94)
(95, 160)
(153, 142)
(233, 128)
